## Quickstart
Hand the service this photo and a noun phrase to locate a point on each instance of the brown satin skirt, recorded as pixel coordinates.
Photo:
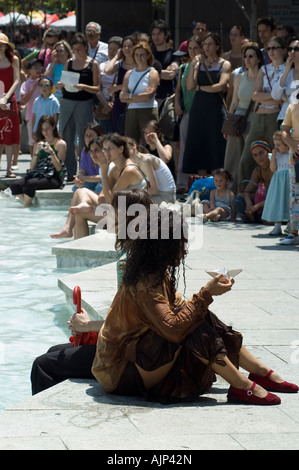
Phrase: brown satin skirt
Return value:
(189, 376)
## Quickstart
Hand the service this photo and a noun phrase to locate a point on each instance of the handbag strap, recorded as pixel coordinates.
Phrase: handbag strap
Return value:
(248, 109)
(266, 70)
(140, 78)
(212, 83)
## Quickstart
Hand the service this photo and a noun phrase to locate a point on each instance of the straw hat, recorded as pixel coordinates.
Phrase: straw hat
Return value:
(4, 40)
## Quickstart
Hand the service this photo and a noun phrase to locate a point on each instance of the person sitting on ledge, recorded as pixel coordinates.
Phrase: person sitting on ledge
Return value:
(47, 169)
(156, 345)
(66, 361)
(125, 174)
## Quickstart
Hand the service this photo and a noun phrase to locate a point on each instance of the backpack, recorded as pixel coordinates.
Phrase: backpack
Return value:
(169, 122)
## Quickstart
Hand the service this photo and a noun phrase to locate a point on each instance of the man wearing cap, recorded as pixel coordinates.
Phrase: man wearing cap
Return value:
(182, 50)
(246, 206)
(97, 49)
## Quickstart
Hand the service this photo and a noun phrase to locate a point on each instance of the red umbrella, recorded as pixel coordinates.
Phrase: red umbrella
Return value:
(83, 338)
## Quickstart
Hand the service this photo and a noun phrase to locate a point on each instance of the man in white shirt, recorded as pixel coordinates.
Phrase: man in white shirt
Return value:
(97, 49)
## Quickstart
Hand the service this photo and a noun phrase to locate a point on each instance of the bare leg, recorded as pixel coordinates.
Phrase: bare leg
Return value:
(67, 230)
(81, 226)
(81, 222)
(16, 152)
(215, 214)
(250, 363)
(8, 151)
(87, 200)
(205, 207)
(235, 378)
(27, 200)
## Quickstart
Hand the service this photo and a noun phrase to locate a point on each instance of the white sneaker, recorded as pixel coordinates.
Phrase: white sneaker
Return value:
(287, 230)
(14, 167)
(276, 231)
(289, 240)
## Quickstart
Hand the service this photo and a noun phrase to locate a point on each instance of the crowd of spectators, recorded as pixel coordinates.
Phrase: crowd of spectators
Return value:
(124, 84)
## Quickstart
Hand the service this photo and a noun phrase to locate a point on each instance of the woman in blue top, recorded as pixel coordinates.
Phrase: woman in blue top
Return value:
(61, 53)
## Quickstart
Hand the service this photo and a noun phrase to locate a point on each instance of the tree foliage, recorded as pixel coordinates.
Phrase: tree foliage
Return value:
(49, 6)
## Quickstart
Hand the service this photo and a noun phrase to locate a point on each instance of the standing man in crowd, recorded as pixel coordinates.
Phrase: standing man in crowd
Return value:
(163, 52)
(266, 29)
(97, 49)
(200, 29)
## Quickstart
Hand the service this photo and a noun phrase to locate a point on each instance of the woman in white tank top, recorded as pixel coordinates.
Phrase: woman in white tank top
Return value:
(243, 86)
(139, 88)
(161, 183)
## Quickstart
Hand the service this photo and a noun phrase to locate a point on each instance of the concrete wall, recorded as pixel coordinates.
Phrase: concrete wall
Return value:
(219, 15)
(117, 17)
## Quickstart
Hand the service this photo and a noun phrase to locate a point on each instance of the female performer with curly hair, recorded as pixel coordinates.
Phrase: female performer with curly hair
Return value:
(157, 345)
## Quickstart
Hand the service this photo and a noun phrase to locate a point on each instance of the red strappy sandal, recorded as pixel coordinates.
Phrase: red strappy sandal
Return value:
(272, 386)
(246, 396)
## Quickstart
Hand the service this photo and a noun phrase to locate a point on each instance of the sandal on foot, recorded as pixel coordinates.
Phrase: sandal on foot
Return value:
(10, 175)
(272, 386)
(247, 396)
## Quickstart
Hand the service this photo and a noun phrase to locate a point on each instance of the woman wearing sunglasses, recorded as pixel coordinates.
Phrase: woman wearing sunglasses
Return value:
(243, 86)
(289, 81)
(267, 109)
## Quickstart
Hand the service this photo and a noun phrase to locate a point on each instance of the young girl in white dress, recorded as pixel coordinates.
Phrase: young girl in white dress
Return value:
(277, 204)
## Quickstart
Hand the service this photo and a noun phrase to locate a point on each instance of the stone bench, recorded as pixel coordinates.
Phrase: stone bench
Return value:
(88, 252)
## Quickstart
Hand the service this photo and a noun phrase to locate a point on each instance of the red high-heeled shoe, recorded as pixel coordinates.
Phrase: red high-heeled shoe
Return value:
(272, 386)
(247, 396)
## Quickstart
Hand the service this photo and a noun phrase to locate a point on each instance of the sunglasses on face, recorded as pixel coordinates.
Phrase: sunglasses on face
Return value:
(273, 48)
(44, 85)
(293, 49)
(249, 56)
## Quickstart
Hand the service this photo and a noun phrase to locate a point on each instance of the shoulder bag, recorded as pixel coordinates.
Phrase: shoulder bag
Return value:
(235, 124)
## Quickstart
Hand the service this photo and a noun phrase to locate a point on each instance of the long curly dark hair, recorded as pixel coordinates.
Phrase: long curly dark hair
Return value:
(132, 196)
(157, 257)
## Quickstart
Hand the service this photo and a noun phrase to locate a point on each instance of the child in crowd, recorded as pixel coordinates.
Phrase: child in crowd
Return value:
(219, 207)
(29, 92)
(277, 205)
(46, 103)
(249, 206)
(290, 135)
